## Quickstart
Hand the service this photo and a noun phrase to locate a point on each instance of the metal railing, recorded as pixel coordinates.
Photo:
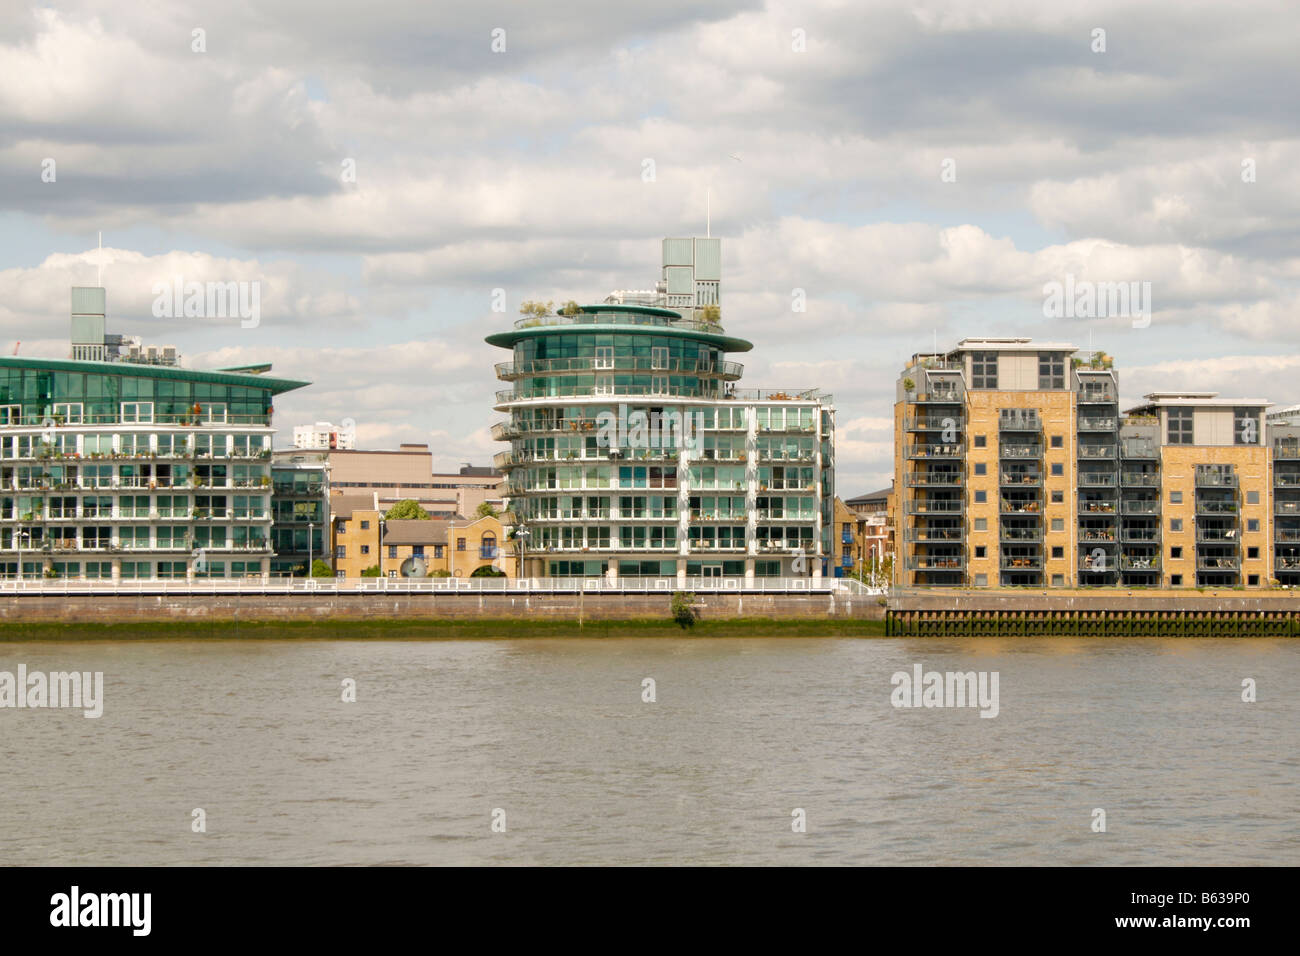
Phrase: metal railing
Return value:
(472, 586)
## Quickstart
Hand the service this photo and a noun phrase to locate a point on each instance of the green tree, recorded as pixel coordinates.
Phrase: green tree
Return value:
(570, 308)
(684, 609)
(409, 508)
(712, 313)
(537, 310)
(485, 510)
(371, 572)
(321, 569)
(487, 571)
(438, 573)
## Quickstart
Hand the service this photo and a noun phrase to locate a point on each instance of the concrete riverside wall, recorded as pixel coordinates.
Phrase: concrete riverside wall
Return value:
(92, 609)
(1109, 600)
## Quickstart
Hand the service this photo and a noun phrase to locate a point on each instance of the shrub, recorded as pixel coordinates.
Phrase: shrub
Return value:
(683, 609)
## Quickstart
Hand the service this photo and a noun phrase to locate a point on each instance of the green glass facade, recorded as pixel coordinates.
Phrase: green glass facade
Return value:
(747, 495)
(110, 470)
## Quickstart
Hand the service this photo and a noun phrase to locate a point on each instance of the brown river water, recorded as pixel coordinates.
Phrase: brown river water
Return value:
(555, 735)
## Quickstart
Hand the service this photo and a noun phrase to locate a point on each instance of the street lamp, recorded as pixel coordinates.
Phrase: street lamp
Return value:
(310, 527)
(521, 534)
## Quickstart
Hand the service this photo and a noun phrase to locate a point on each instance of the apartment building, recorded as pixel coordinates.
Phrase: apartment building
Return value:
(1018, 470)
(874, 525)
(118, 469)
(300, 511)
(323, 436)
(407, 473)
(364, 540)
(599, 475)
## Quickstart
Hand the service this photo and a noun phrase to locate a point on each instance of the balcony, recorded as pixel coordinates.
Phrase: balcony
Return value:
(1019, 420)
(932, 423)
(1097, 423)
(1097, 536)
(953, 562)
(1286, 451)
(1020, 535)
(1227, 536)
(939, 535)
(1139, 562)
(1009, 507)
(1218, 563)
(943, 451)
(1139, 448)
(1096, 451)
(513, 371)
(1140, 535)
(1097, 479)
(1141, 507)
(1283, 479)
(504, 431)
(1286, 507)
(1022, 479)
(1096, 507)
(940, 395)
(1097, 395)
(1216, 507)
(1286, 535)
(1021, 451)
(1027, 563)
(1206, 478)
(1140, 479)
(914, 507)
(933, 479)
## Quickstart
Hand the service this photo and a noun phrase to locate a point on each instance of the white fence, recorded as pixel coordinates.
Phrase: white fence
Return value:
(470, 586)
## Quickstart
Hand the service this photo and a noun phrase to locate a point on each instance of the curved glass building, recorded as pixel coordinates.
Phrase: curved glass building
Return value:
(634, 453)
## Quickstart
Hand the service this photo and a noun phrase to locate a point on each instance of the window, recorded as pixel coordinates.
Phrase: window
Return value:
(1252, 524)
(1058, 469)
(1179, 426)
(1058, 524)
(1252, 497)
(981, 496)
(137, 411)
(1252, 554)
(981, 524)
(1175, 580)
(1245, 426)
(437, 551)
(365, 549)
(1058, 441)
(980, 551)
(1051, 370)
(1175, 497)
(1175, 524)
(69, 412)
(365, 526)
(417, 551)
(1175, 553)
(1058, 580)
(1058, 497)
(1252, 580)
(981, 468)
(1058, 552)
(341, 526)
(984, 369)
(981, 580)
(340, 552)
(460, 544)
(981, 441)
(392, 550)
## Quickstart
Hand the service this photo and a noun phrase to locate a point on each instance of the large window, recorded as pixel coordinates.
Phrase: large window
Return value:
(984, 369)
(1179, 431)
(1245, 426)
(1051, 370)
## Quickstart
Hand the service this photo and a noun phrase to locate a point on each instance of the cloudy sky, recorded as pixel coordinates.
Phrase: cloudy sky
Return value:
(919, 169)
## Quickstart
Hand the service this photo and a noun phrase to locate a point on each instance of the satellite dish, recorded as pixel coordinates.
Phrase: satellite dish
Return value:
(413, 567)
